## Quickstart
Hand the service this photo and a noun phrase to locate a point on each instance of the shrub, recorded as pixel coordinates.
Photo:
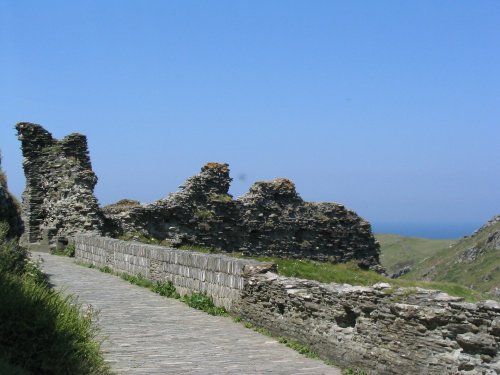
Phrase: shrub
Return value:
(69, 251)
(201, 301)
(166, 289)
(13, 258)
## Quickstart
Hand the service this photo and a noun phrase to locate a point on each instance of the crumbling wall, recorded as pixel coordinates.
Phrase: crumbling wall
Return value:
(379, 329)
(383, 331)
(271, 219)
(59, 197)
(9, 209)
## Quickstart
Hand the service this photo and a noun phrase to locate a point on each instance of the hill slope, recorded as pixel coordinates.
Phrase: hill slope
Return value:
(472, 261)
(397, 252)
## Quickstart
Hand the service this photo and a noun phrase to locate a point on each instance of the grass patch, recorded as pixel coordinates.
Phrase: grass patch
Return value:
(199, 249)
(351, 273)
(165, 289)
(42, 331)
(450, 265)
(68, 251)
(351, 371)
(136, 280)
(397, 252)
(201, 301)
(221, 198)
(298, 347)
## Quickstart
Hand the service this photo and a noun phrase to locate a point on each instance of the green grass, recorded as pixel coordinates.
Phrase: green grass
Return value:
(42, 331)
(351, 273)
(68, 251)
(351, 371)
(298, 347)
(165, 289)
(221, 198)
(201, 301)
(199, 249)
(398, 252)
(133, 279)
(482, 274)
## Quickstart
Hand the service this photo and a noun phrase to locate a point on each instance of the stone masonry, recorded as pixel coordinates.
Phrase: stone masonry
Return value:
(59, 197)
(271, 219)
(379, 329)
(219, 276)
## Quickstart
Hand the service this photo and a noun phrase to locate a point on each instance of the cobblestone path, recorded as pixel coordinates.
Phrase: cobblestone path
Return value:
(149, 334)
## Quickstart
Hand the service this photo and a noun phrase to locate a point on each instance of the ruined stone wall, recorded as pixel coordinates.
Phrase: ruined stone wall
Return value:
(271, 219)
(219, 276)
(59, 196)
(406, 331)
(383, 331)
(9, 210)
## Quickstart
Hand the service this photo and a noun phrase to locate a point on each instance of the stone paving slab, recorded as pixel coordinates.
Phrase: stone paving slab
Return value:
(149, 334)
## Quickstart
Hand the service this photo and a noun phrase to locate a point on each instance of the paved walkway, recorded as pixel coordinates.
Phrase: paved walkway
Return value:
(149, 334)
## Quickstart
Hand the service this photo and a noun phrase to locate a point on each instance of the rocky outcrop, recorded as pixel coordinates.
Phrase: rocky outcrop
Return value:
(271, 219)
(59, 197)
(378, 329)
(9, 209)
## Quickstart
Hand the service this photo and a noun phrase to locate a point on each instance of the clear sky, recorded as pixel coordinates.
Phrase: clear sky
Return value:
(389, 107)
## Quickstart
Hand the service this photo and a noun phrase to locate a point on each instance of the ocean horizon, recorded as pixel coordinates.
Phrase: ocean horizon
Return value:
(435, 231)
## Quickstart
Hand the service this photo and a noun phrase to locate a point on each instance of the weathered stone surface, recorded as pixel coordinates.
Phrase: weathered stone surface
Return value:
(9, 210)
(59, 197)
(271, 219)
(384, 331)
(406, 331)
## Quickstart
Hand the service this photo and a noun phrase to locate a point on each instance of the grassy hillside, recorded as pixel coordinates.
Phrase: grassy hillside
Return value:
(473, 261)
(398, 252)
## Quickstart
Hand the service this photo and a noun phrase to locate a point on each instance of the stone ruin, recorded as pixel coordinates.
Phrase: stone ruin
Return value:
(59, 197)
(271, 219)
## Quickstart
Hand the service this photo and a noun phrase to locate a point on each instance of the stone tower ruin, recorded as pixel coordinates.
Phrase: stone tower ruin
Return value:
(59, 197)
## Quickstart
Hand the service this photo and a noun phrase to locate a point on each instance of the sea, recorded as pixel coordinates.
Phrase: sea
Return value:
(436, 231)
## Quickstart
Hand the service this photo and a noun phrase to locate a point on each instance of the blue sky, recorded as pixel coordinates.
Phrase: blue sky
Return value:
(389, 107)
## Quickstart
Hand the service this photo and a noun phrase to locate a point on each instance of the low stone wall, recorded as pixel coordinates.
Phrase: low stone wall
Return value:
(383, 331)
(405, 331)
(217, 275)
